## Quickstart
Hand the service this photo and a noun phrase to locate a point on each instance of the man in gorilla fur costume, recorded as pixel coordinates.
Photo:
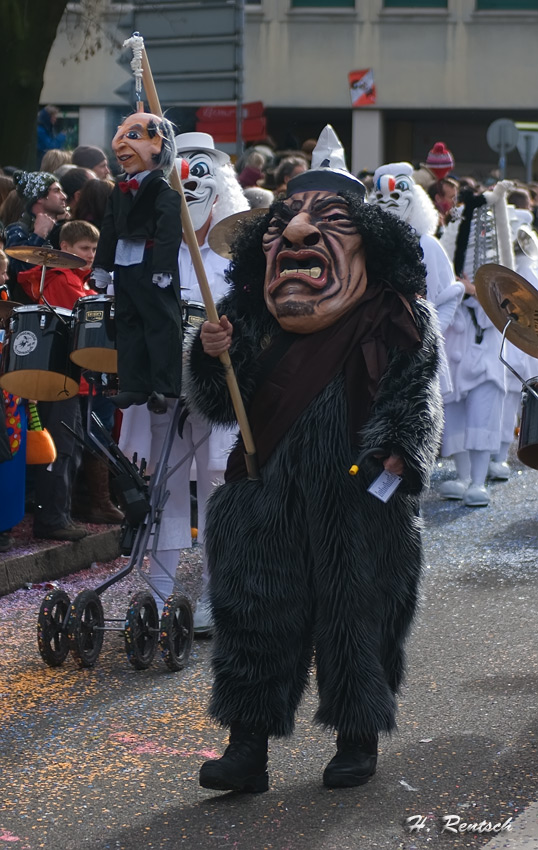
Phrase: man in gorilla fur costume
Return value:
(305, 562)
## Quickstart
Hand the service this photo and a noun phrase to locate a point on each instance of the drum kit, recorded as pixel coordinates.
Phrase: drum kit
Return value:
(46, 347)
(511, 303)
(44, 350)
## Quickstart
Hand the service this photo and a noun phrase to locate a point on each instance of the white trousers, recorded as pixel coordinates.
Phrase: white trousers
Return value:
(511, 408)
(208, 448)
(474, 423)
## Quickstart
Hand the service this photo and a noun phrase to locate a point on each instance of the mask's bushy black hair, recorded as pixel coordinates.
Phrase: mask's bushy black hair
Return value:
(392, 249)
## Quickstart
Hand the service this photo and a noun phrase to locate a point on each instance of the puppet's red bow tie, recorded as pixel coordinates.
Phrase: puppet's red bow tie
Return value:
(125, 185)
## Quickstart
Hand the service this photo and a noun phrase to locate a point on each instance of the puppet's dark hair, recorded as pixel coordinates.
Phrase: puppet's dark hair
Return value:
(392, 249)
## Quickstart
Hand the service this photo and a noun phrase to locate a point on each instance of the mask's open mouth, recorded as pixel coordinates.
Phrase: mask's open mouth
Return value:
(307, 267)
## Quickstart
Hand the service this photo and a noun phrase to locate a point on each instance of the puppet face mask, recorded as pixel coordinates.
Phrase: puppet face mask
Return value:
(395, 193)
(137, 143)
(200, 187)
(315, 262)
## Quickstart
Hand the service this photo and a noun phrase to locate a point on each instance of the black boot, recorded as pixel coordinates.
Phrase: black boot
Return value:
(354, 763)
(243, 767)
(100, 508)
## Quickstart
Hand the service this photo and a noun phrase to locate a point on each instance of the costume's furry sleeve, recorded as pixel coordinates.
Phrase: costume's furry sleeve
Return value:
(205, 383)
(407, 414)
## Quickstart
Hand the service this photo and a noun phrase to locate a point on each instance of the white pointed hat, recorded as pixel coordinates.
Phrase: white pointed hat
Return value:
(328, 171)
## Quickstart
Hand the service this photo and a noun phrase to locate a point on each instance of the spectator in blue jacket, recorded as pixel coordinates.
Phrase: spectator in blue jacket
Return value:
(47, 138)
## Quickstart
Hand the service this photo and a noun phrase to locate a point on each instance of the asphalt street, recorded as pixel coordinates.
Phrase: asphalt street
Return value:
(107, 758)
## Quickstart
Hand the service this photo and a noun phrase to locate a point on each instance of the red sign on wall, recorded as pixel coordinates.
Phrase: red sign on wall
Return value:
(253, 129)
(225, 113)
(220, 122)
(361, 87)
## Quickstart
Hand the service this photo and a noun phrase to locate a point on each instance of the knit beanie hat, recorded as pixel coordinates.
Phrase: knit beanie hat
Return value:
(33, 185)
(86, 156)
(249, 177)
(439, 160)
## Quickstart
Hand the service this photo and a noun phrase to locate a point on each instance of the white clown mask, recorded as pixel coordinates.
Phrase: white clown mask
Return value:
(394, 189)
(200, 187)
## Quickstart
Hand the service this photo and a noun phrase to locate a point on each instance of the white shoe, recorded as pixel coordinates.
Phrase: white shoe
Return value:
(498, 471)
(476, 497)
(453, 489)
(203, 618)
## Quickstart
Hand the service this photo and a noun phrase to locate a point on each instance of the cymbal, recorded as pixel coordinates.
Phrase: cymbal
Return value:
(505, 295)
(41, 255)
(528, 241)
(228, 229)
(7, 307)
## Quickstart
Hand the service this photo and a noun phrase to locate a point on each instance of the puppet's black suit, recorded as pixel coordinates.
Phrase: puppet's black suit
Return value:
(148, 318)
(306, 558)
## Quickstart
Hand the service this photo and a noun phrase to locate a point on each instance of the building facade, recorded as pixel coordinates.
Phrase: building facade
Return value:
(443, 70)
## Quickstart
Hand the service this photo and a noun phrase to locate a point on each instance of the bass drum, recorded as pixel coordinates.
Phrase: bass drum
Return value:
(94, 334)
(193, 314)
(35, 357)
(527, 449)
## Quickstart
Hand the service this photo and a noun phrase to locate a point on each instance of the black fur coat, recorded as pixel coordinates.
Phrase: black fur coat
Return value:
(305, 563)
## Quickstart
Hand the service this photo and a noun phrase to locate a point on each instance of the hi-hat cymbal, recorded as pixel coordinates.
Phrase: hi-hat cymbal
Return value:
(41, 255)
(505, 295)
(7, 307)
(528, 241)
(228, 229)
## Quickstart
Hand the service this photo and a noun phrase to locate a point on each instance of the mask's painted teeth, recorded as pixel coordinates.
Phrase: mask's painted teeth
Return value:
(314, 272)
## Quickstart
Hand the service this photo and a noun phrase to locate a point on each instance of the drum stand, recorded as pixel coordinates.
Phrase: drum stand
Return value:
(79, 626)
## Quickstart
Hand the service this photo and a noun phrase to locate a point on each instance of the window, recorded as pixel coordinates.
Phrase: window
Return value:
(507, 5)
(342, 4)
(416, 4)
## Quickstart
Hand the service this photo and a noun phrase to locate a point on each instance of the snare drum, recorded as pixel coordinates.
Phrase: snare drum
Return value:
(35, 357)
(193, 314)
(94, 334)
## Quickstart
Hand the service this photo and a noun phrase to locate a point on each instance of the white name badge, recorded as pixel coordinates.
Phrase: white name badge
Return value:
(384, 485)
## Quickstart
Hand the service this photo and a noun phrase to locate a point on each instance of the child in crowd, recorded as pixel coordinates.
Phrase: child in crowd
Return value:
(54, 484)
(63, 287)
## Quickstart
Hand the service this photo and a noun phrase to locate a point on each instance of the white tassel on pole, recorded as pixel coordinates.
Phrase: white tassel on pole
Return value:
(136, 43)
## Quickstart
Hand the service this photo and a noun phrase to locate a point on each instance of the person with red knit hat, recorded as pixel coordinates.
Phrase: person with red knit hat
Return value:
(439, 161)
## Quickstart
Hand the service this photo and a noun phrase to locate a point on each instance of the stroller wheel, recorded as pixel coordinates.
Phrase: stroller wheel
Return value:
(176, 631)
(52, 637)
(86, 628)
(141, 630)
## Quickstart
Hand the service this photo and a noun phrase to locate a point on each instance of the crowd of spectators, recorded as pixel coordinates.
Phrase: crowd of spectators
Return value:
(82, 182)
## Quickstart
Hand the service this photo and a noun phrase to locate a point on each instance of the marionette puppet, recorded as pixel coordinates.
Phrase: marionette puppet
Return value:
(139, 243)
(334, 353)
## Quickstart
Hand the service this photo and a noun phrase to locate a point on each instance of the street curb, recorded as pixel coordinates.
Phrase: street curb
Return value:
(58, 560)
(524, 835)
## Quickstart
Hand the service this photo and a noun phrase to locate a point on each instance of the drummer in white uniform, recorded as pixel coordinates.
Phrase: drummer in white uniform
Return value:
(212, 193)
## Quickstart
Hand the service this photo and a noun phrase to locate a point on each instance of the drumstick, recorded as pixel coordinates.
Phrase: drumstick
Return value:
(192, 244)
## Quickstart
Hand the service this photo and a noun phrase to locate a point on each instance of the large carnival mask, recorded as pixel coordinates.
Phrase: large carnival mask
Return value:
(315, 262)
(395, 192)
(138, 143)
(200, 187)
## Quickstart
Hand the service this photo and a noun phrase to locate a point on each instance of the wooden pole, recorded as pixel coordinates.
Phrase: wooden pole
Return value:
(189, 236)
